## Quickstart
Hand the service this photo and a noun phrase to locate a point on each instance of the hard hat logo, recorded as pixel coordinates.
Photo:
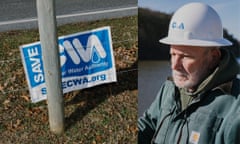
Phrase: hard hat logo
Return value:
(176, 25)
(196, 24)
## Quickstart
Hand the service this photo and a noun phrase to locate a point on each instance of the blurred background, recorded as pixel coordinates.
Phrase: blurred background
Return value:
(153, 20)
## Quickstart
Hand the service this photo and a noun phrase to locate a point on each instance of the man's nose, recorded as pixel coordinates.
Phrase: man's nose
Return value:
(176, 63)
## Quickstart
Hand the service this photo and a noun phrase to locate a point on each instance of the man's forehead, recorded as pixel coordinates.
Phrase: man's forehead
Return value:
(187, 49)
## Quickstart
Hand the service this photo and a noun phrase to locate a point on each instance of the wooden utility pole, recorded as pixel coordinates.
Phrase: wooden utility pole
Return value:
(51, 63)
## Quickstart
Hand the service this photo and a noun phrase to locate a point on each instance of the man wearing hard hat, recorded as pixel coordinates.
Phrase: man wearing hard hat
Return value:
(200, 103)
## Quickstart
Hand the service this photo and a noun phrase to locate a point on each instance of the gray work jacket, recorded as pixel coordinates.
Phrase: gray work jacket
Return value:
(212, 118)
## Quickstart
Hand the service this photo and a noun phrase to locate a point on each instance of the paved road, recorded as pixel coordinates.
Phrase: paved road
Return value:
(21, 14)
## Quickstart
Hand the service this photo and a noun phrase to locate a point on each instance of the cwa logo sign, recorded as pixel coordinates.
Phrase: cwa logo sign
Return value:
(86, 60)
(77, 52)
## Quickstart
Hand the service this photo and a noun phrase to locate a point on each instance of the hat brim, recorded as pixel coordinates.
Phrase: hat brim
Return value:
(196, 42)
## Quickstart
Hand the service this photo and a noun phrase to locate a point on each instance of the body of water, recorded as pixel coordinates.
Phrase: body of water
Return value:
(151, 75)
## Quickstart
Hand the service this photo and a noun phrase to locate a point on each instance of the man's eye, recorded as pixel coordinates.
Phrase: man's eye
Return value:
(187, 57)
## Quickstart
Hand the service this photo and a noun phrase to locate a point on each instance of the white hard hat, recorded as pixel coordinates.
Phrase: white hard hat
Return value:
(196, 24)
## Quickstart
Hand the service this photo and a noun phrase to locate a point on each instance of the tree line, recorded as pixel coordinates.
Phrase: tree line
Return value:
(152, 26)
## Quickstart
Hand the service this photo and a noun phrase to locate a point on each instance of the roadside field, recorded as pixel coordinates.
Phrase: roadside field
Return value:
(102, 114)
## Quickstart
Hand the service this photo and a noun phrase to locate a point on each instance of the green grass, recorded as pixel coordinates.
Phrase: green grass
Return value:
(102, 114)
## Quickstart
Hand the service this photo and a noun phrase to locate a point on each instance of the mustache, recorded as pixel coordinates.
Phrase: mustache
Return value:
(178, 73)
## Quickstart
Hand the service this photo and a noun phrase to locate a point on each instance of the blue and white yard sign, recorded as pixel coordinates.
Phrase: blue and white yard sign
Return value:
(86, 60)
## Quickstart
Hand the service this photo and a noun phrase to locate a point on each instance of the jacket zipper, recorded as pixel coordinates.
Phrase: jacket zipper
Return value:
(165, 117)
(181, 131)
(185, 121)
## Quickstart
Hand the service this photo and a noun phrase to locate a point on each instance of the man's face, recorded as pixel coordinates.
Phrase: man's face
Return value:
(190, 65)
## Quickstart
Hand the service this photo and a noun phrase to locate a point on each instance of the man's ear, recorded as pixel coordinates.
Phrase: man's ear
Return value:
(216, 53)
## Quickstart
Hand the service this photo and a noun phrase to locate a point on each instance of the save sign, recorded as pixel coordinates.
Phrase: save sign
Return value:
(86, 60)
